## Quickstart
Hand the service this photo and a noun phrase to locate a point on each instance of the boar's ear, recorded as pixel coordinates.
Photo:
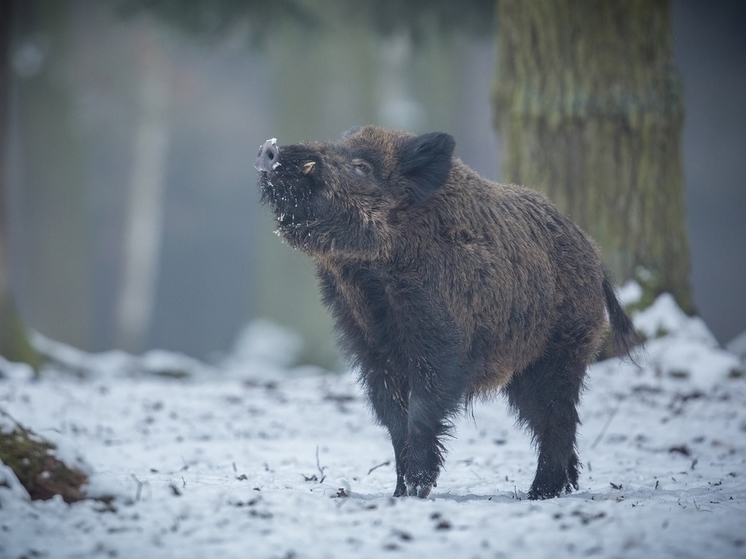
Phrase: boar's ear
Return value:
(426, 161)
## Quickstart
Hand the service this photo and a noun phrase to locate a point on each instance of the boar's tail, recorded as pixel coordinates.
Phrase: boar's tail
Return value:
(624, 336)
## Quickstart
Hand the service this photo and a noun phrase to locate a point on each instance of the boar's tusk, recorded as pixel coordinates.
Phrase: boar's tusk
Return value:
(308, 167)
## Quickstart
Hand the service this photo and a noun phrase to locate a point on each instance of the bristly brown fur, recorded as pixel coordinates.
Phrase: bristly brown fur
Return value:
(445, 286)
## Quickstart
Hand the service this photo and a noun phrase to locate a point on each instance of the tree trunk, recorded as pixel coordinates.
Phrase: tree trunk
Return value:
(589, 109)
(14, 344)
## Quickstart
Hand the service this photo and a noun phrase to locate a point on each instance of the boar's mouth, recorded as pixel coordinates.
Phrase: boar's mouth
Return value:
(286, 186)
(292, 182)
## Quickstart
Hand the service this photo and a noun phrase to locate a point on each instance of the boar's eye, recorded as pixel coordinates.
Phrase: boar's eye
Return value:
(361, 168)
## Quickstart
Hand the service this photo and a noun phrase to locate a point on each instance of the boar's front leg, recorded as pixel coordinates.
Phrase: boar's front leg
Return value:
(415, 408)
(437, 387)
(388, 396)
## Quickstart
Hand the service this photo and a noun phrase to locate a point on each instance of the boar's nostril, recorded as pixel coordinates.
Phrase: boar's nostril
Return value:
(267, 159)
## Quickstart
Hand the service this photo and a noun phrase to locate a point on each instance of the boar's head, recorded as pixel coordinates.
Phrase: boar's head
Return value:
(348, 198)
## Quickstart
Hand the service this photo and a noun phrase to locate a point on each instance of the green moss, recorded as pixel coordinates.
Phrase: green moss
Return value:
(14, 342)
(33, 462)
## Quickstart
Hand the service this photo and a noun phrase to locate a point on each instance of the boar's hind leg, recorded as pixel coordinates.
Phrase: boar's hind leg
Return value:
(545, 395)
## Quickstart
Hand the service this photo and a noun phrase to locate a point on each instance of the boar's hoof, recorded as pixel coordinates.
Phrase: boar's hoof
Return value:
(421, 484)
(537, 494)
(551, 482)
(401, 490)
(421, 491)
(541, 492)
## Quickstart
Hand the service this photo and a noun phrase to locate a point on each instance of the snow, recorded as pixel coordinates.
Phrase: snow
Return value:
(681, 345)
(738, 345)
(252, 457)
(629, 293)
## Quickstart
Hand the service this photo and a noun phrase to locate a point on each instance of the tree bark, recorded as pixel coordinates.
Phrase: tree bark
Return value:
(589, 108)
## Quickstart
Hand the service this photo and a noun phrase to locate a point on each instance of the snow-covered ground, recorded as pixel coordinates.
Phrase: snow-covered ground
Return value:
(252, 458)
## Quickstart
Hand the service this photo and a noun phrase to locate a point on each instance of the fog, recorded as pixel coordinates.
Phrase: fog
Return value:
(134, 215)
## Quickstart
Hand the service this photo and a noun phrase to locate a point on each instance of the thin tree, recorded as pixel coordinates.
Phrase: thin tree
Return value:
(14, 343)
(589, 108)
(28, 455)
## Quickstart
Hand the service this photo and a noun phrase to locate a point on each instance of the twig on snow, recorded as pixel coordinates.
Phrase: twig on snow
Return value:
(386, 463)
(606, 425)
(139, 483)
(318, 466)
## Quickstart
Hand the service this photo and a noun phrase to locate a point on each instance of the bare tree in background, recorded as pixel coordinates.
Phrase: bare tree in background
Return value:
(144, 217)
(29, 456)
(589, 108)
(14, 344)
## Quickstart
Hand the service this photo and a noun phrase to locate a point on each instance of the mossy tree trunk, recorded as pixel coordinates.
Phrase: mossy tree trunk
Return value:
(589, 109)
(14, 344)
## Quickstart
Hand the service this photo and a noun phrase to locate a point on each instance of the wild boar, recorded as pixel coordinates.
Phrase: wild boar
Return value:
(445, 286)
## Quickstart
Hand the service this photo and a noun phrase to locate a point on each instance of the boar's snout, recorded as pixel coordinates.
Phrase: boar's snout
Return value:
(268, 157)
